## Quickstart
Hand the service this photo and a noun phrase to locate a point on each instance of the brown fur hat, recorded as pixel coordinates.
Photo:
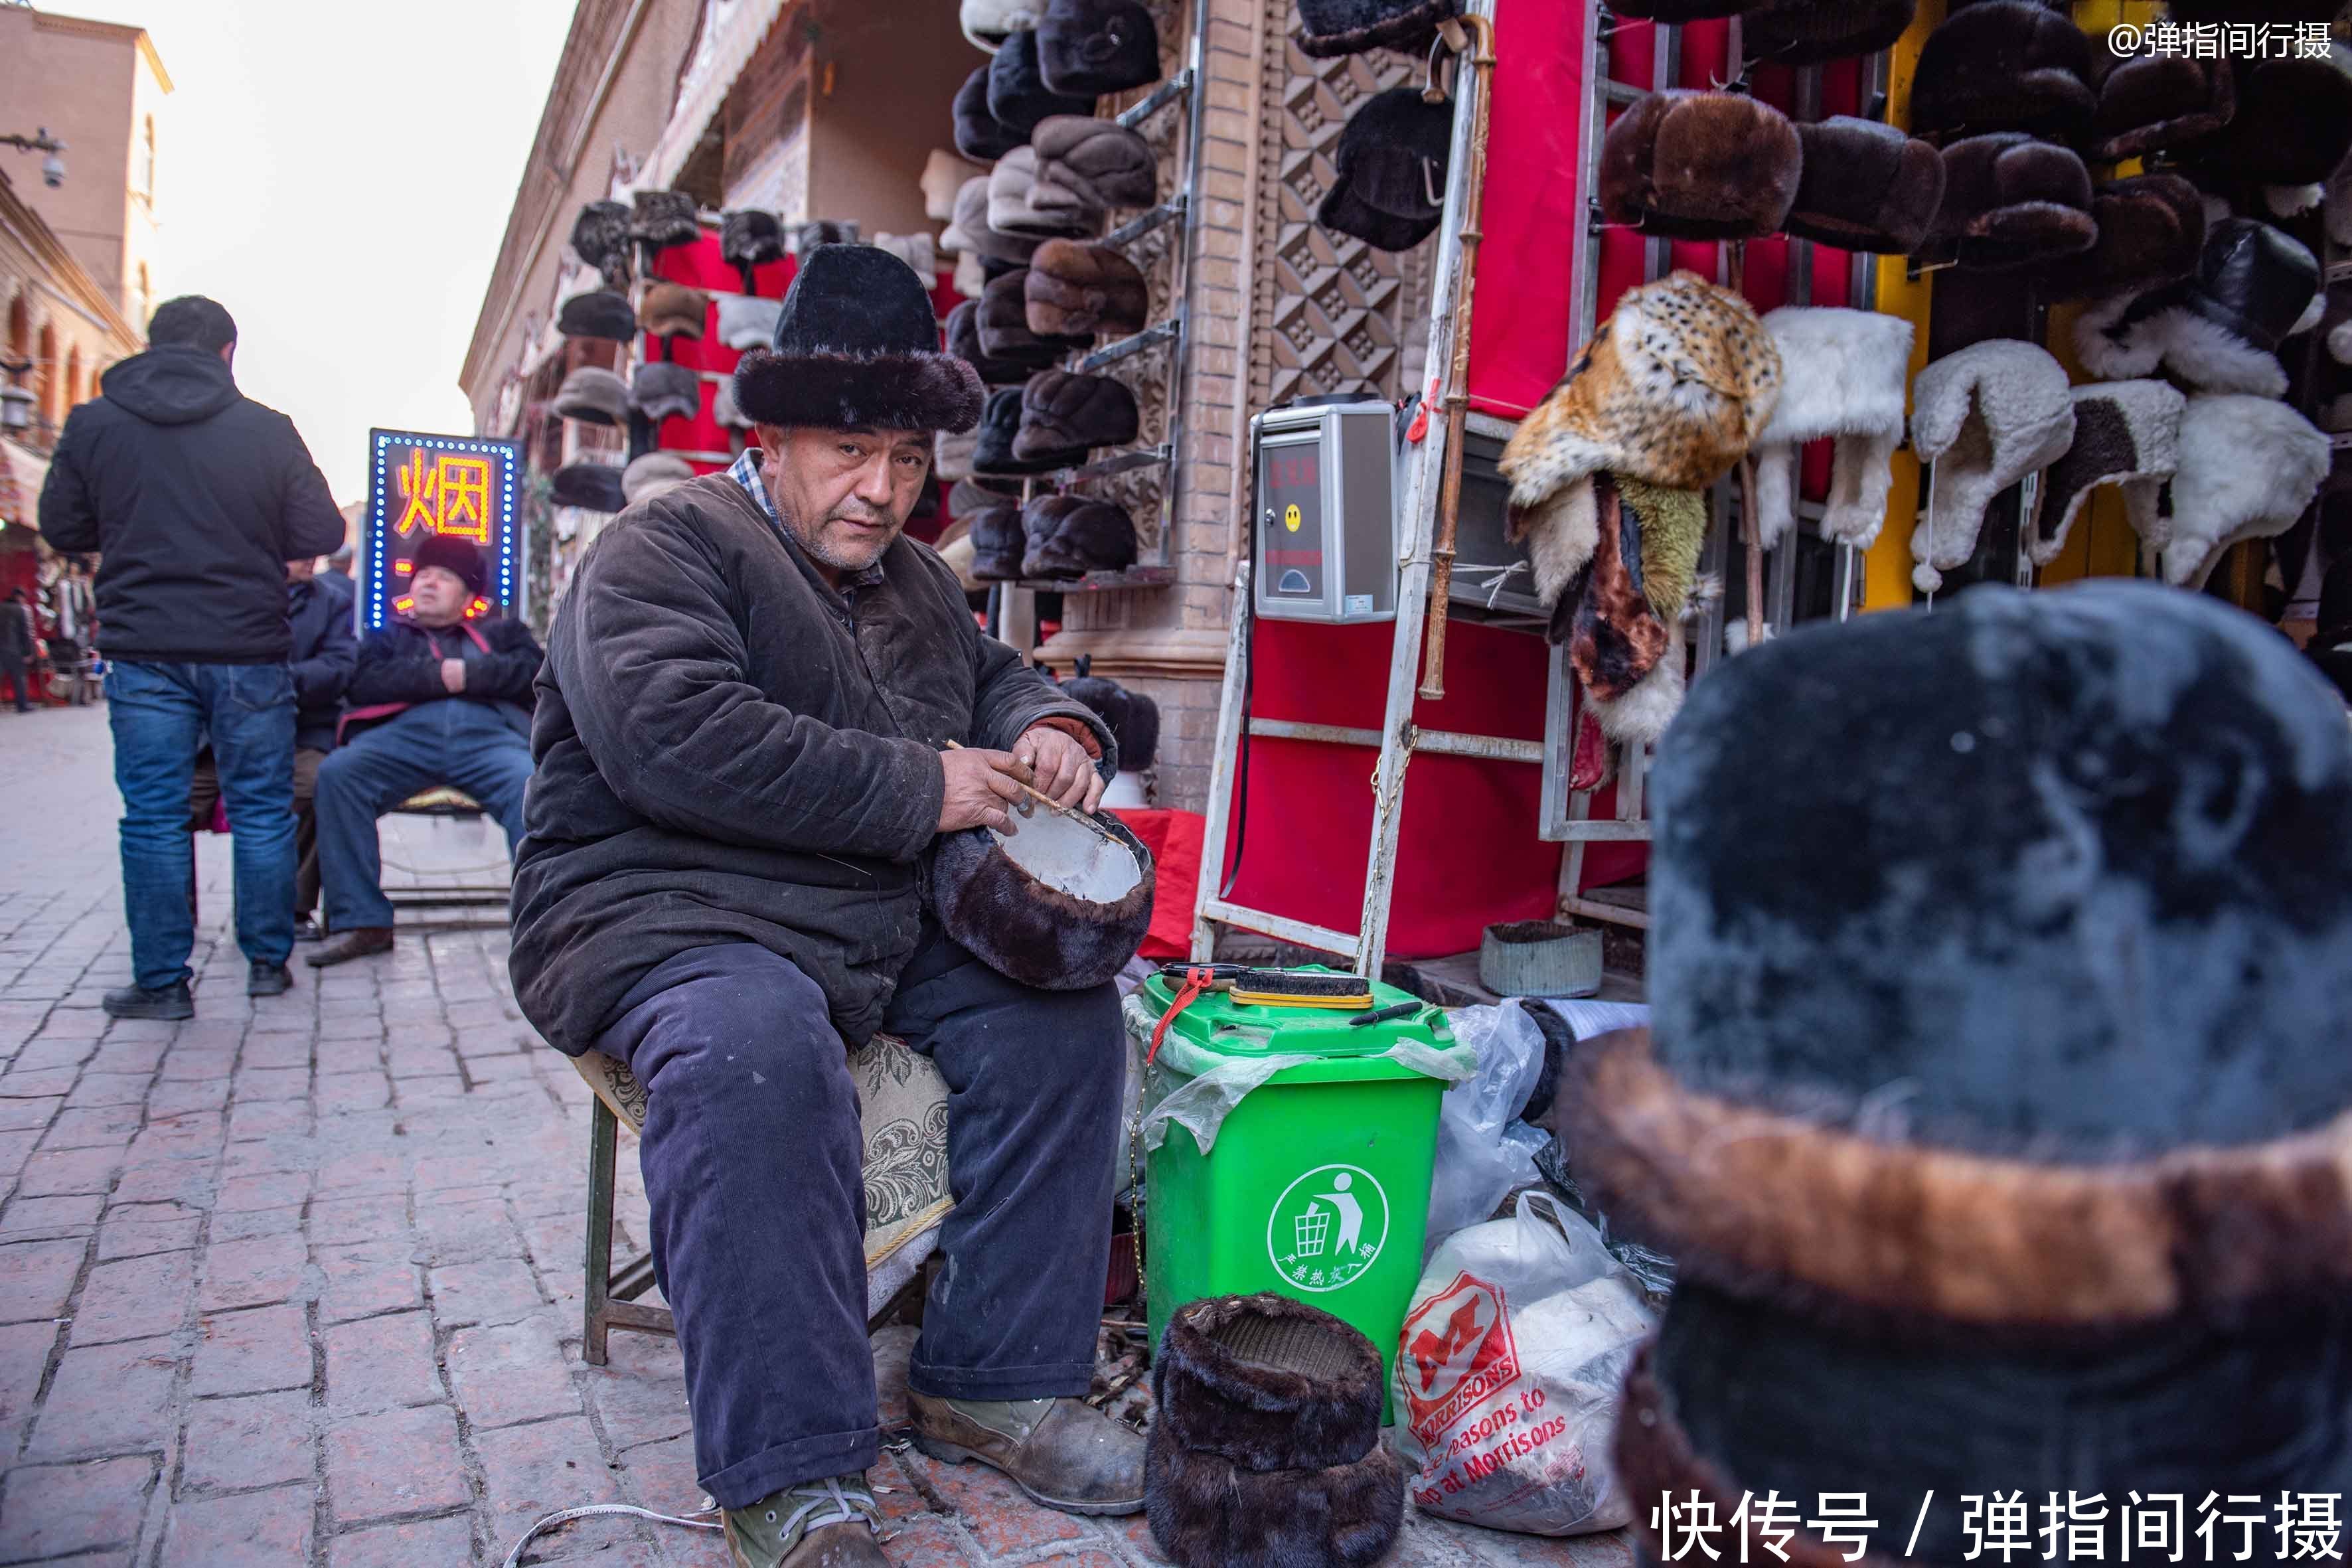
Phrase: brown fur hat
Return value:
(1268, 1383)
(995, 370)
(1065, 412)
(1673, 390)
(997, 543)
(1866, 186)
(1099, 163)
(673, 310)
(2149, 102)
(1208, 1512)
(2010, 201)
(2151, 232)
(2004, 65)
(1700, 166)
(1076, 289)
(1002, 322)
(2292, 124)
(1069, 536)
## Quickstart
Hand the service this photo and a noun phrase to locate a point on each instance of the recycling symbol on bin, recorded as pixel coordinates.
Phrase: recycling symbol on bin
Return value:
(1326, 1227)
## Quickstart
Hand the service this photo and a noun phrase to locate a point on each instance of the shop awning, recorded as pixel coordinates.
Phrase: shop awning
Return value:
(22, 473)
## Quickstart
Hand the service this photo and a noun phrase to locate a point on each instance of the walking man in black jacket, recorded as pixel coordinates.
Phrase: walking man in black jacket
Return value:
(17, 647)
(434, 700)
(743, 738)
(198, 497)
(319, 612)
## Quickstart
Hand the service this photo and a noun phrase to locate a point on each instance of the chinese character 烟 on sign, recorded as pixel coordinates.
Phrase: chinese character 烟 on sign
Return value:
(451, 496)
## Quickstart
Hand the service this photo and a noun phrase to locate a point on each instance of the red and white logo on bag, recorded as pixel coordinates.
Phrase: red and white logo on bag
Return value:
(1455, 1353)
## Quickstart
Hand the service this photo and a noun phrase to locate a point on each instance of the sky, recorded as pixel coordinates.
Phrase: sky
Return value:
(339, 176)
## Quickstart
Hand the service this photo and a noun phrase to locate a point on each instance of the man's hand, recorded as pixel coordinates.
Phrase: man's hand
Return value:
(453, 675)
(1059, 766)
(979, 784)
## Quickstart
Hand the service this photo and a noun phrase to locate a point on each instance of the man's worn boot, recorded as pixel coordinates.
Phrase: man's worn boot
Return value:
(268, 979)
(357, 943)
(137, 1001)
(1063, 1452)
(817, 1524)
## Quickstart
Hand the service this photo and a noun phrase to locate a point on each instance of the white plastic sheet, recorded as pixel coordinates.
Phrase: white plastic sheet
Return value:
(1484, 1151)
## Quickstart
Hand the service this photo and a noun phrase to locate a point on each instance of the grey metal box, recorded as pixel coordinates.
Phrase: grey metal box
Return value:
(1325, 524)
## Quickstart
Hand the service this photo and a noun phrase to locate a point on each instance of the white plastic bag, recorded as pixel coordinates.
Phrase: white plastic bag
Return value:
(1510, 1371)
(1484, 1151)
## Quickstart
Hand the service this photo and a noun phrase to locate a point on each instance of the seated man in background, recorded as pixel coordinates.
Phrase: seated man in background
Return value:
(442, 701)
(318, 613)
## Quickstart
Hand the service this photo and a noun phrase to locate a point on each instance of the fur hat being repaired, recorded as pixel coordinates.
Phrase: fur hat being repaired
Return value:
(1982, 419)
(2219, 331)
(2127, 434)
(1842, 374)
(857, 345)
(1700, 166)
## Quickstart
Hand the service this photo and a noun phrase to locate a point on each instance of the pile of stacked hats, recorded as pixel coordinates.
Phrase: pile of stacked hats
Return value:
(1393, 151)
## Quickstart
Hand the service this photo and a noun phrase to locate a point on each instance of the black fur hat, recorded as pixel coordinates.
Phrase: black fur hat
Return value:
(1208, 1512)
(1018, 97)
(1133, 718)
(1069, 536)
(594, 486)
(1865, 187)
(964, 341)
(1392, 158)
(1002, 321)
(1000, 423)
(664, 218)
(1328, 27)
(1088, 47)
(1700, 166)
(458, 556)
(858, 346)
(2292, 127)
(2219, 329)
(1063, 411)
(2149, 102)
(2151, 232)
(662, 391)
(1806, 33)
(749, 237)
(1028, 930)
(998, 542)
(978, 136)
(600, 237)
(1268, 1383)
(2004, 65)
(2010, 201)
(599, 313)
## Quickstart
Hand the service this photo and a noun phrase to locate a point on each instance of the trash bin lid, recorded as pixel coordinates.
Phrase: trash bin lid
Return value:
(1215, 1022)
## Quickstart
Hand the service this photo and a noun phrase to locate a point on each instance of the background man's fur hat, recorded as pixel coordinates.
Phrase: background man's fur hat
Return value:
(1392, 159)
(1984, 417)
(663, 219)
(2009, 201)
(1866, 186)
(650, 475)
(673, 310)
(599, 313)
(2249, 468)
(1330, 27)
(2004, 65)
(1700, 166)
(1022, 926)
(661, 391)
(1673, 388)
(2219, 331)
(1808, 32)
(1018, 97)
(1065, 414)
(1069, 536)
(1099, 161)
(1084, 291)
(2127, 434)
(593, 486)
(1088, 47)
(458, 556)
(978, 134)
(594, 396)
(2149, 102)
(857, 347)
(998, 542)
(1842, 374)
(2151, 233)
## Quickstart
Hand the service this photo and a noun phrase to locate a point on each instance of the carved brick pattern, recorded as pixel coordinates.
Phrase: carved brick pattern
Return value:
(1334, 315)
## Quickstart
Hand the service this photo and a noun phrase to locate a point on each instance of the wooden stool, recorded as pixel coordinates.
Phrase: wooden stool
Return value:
(444, 800)
(903, 1119)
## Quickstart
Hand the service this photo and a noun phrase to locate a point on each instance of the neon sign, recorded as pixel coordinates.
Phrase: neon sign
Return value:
(419, 486)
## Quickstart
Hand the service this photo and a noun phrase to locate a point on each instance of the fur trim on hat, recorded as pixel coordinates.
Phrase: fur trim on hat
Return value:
(2149, 102)
(988, 23)
(1208, 1512)
(1795, 1209)
(1866, 186)
(2010, 200)
(2127, 434)
(2249, 468)
(1805, 33)
(594, 396)
(599, 313)
(1026, 931)
(1673, 388)
(746, 322)
(1983, 418)
(848, 392)
(673, 310)
(1842, 374)
(2220, 331)
(662, 391)
(1700, 166)
(1331, 28)
(1084, 291)
(2151, 233)
(2004, 65)
(650, 475)
(998, 540)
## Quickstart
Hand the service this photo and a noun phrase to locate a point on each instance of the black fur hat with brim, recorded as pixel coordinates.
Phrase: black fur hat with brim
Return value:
(1061, 904)
(1700, 166)
(1208, 1512)
(1267, 1382)
(1392, 158)
(2010, 201)
(2004, 65)
(457, 557)
(598, 313)
(857, 347)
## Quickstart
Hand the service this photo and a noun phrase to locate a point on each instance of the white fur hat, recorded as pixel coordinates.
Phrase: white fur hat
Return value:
(1842, 375)
(943, 175)
(2248, 467)
(988, 23)
(747, 321)
(1982, 419)
(2127, 434)
(2219, 329)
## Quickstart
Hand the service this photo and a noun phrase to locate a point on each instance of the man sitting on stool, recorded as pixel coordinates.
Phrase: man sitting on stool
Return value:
(445, 702)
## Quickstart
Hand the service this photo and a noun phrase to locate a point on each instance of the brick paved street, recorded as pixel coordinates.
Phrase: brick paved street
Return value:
(299, 1281)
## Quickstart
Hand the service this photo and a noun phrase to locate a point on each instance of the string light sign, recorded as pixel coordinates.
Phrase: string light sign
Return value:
(421, 485)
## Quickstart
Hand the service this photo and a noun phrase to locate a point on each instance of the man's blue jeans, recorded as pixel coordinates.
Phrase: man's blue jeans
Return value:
(466, 746)
(161, 714)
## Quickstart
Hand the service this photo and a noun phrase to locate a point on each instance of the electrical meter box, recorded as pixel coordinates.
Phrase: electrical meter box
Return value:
(1327, 523)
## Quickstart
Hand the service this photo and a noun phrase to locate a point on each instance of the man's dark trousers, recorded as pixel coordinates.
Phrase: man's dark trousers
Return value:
(753, 1161)
(467, 745)
(159, 714)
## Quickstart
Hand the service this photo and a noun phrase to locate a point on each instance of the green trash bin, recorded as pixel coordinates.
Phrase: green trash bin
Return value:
(1315, 1182)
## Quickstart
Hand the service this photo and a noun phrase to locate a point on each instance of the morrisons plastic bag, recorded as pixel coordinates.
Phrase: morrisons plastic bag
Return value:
(1508, 1373)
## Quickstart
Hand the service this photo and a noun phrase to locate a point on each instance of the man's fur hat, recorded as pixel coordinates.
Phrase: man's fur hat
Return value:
(1842, 374)
(978, 135)
(1065, 414)
(1071, 535)
(1088, 47)
(2127, 434)
(664, 218)
(1866, 186)
(1074, 290)
(2010, 200)
(998, 542)
(662, 391)
(2151, 233)
(1090, 163)
(2219, 329)
(858, 346)
(2150, 102)
(1700, 166)
(1018, 97)
(1982, 419)
(2249, 468)
(589, 485)
(996, 897)
(1330, 27)
(594, 396)
(598, 313)
(674, 311)
(600, 237)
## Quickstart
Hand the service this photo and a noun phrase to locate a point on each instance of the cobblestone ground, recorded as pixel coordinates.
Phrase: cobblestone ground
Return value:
(299, 1281)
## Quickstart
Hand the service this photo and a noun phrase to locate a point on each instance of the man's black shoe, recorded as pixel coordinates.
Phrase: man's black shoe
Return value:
(268, 980)
(138, 1002)
(357, 943)
(308, 929)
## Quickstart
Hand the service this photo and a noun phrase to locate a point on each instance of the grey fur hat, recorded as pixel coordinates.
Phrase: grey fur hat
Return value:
(594, 396)
(970, 232)
(747, 321)
(1982, 419)
(653, 473)
(664, 218)
(1085, 164)
(664, 391)
(1010, 211)
(600, 237)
